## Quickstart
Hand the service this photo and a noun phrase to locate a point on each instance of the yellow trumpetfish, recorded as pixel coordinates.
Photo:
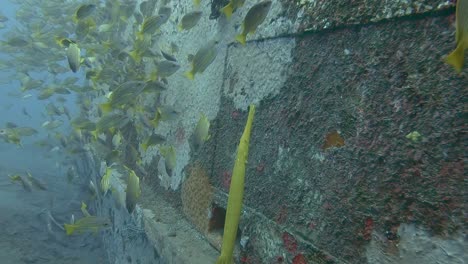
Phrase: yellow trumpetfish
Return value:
(457, 57)
(236, 193)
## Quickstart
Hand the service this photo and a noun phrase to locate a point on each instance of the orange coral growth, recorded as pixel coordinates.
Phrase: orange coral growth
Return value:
(333, 139)
(197, 196)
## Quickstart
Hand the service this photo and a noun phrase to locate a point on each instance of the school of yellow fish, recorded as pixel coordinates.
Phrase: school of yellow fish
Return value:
(66, 38)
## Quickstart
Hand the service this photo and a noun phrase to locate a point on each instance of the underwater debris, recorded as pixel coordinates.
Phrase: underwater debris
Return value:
(414, 136)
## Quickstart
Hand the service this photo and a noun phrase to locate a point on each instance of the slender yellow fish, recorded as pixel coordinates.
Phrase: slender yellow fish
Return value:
(236, 193)
(457, 57)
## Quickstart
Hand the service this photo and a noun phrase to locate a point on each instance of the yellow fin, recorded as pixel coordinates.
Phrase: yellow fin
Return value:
(84, 210)
(140, 36)
(144, 146)
(227, 10)
(15, 178)
(95, 134)
(457, 58)
(155, 121)
(190, 75)
(196, 2)
(241, 38)
(69, 229)
(135, 56)
(105, 107)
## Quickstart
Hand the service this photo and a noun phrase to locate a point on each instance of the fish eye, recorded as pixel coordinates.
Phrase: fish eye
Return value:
(2, 131)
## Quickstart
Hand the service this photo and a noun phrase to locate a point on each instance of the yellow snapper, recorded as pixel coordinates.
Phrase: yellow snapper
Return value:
(122, 95)
(83, 123)
(164, 113)
(165, 69)
(253, 19)
(147, 7)
(105, 180)
(151, 25)
(25, 183)
(189, 20)
(170, 159)
(52, 124)
(84, 11)
(200, 135)
(10, 136)
(133, 191)
(64, 42)
(74, 57)
(25, 131)
(112, 120)
(203, 58)
(457, 57)
(36, 183)
(166, 11)
(152, 140)
(87, 223)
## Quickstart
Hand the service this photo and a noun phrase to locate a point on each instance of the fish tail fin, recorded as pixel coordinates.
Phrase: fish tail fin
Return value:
(190, 75)
(15, 178)
(196, 2)
(227, 10)
(241, 38)
(105, 107)
(144, 146)
(154, 75)
(135, 56)
(155, 121)
(140, 35)
(94, 133)
(457, 58)
(69, 229)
